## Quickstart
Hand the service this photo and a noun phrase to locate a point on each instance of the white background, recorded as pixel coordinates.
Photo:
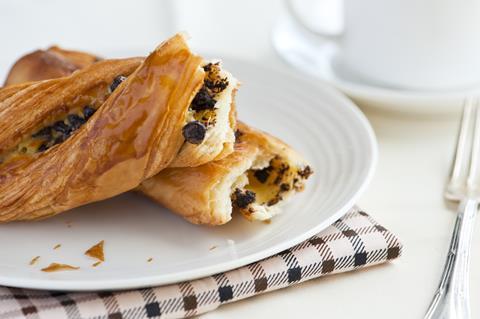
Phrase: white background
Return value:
(405, 195)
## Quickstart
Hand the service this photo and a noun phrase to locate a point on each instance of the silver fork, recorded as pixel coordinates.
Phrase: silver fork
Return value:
(451, 300)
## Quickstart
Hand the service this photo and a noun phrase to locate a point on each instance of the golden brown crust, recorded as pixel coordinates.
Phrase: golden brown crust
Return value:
(195, 193)
(266, 142)
(189, 191)
(48, 64)
(131, 137)
(6, 92)
(79, 59)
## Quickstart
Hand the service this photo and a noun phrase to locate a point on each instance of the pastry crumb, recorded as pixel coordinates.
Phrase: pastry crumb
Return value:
(59, 267)
(149, 260)
(57, 246)
(213, 247)
(34, 260)
(97, 263)
(267, 221)
(96, 251)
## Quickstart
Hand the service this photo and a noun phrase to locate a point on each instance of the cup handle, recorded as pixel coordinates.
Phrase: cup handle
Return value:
(327, 35)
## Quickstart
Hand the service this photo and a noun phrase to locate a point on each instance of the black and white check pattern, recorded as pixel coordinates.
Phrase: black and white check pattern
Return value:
(354, 241)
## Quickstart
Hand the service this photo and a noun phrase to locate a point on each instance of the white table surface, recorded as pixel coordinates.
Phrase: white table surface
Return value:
(406, 192)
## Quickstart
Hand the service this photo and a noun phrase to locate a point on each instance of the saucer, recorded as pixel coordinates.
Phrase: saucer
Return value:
(322, 59)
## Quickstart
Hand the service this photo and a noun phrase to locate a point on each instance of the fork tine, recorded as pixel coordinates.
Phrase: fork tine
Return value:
(461, 149)
(472, 174)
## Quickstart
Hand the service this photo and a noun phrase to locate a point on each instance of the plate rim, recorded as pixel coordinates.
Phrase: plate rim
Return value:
(161, 280)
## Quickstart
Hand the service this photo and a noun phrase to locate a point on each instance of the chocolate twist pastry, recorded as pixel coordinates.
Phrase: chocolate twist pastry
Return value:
(99, 132)
(256, 179)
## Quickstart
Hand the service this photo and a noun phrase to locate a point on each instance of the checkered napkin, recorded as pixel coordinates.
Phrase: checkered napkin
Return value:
(352, 242)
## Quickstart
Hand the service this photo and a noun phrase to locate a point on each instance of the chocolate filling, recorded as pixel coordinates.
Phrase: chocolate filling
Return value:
(88, 112)
(306, 172)
(75, 121)
(263, 174)
(61, 130)
(208, 67)
(203, 100)
(268, 185)
(203, 104)
(213, 80)
(64, 126)
(242, 198)
(238, 135)
(116, 82)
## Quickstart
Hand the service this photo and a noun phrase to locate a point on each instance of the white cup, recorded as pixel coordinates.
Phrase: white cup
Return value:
(409, 44)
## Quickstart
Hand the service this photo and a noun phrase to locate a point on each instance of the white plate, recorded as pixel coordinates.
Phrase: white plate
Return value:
(322, 60)
(322, 124)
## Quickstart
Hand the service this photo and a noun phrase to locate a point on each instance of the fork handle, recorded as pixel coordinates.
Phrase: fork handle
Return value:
(451, 300)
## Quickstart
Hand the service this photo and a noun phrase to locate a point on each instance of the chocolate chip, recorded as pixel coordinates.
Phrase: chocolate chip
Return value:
(203, 100)
(238, 135)
(42, 147)
(207, 67)
(75, 121)
(116, 82)
(88, 112)
(217, 86)
(45, 132)
(194, 132)
(262, 174)
(61, 127)
(306, 172)
(242, 199)
(284, 187)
